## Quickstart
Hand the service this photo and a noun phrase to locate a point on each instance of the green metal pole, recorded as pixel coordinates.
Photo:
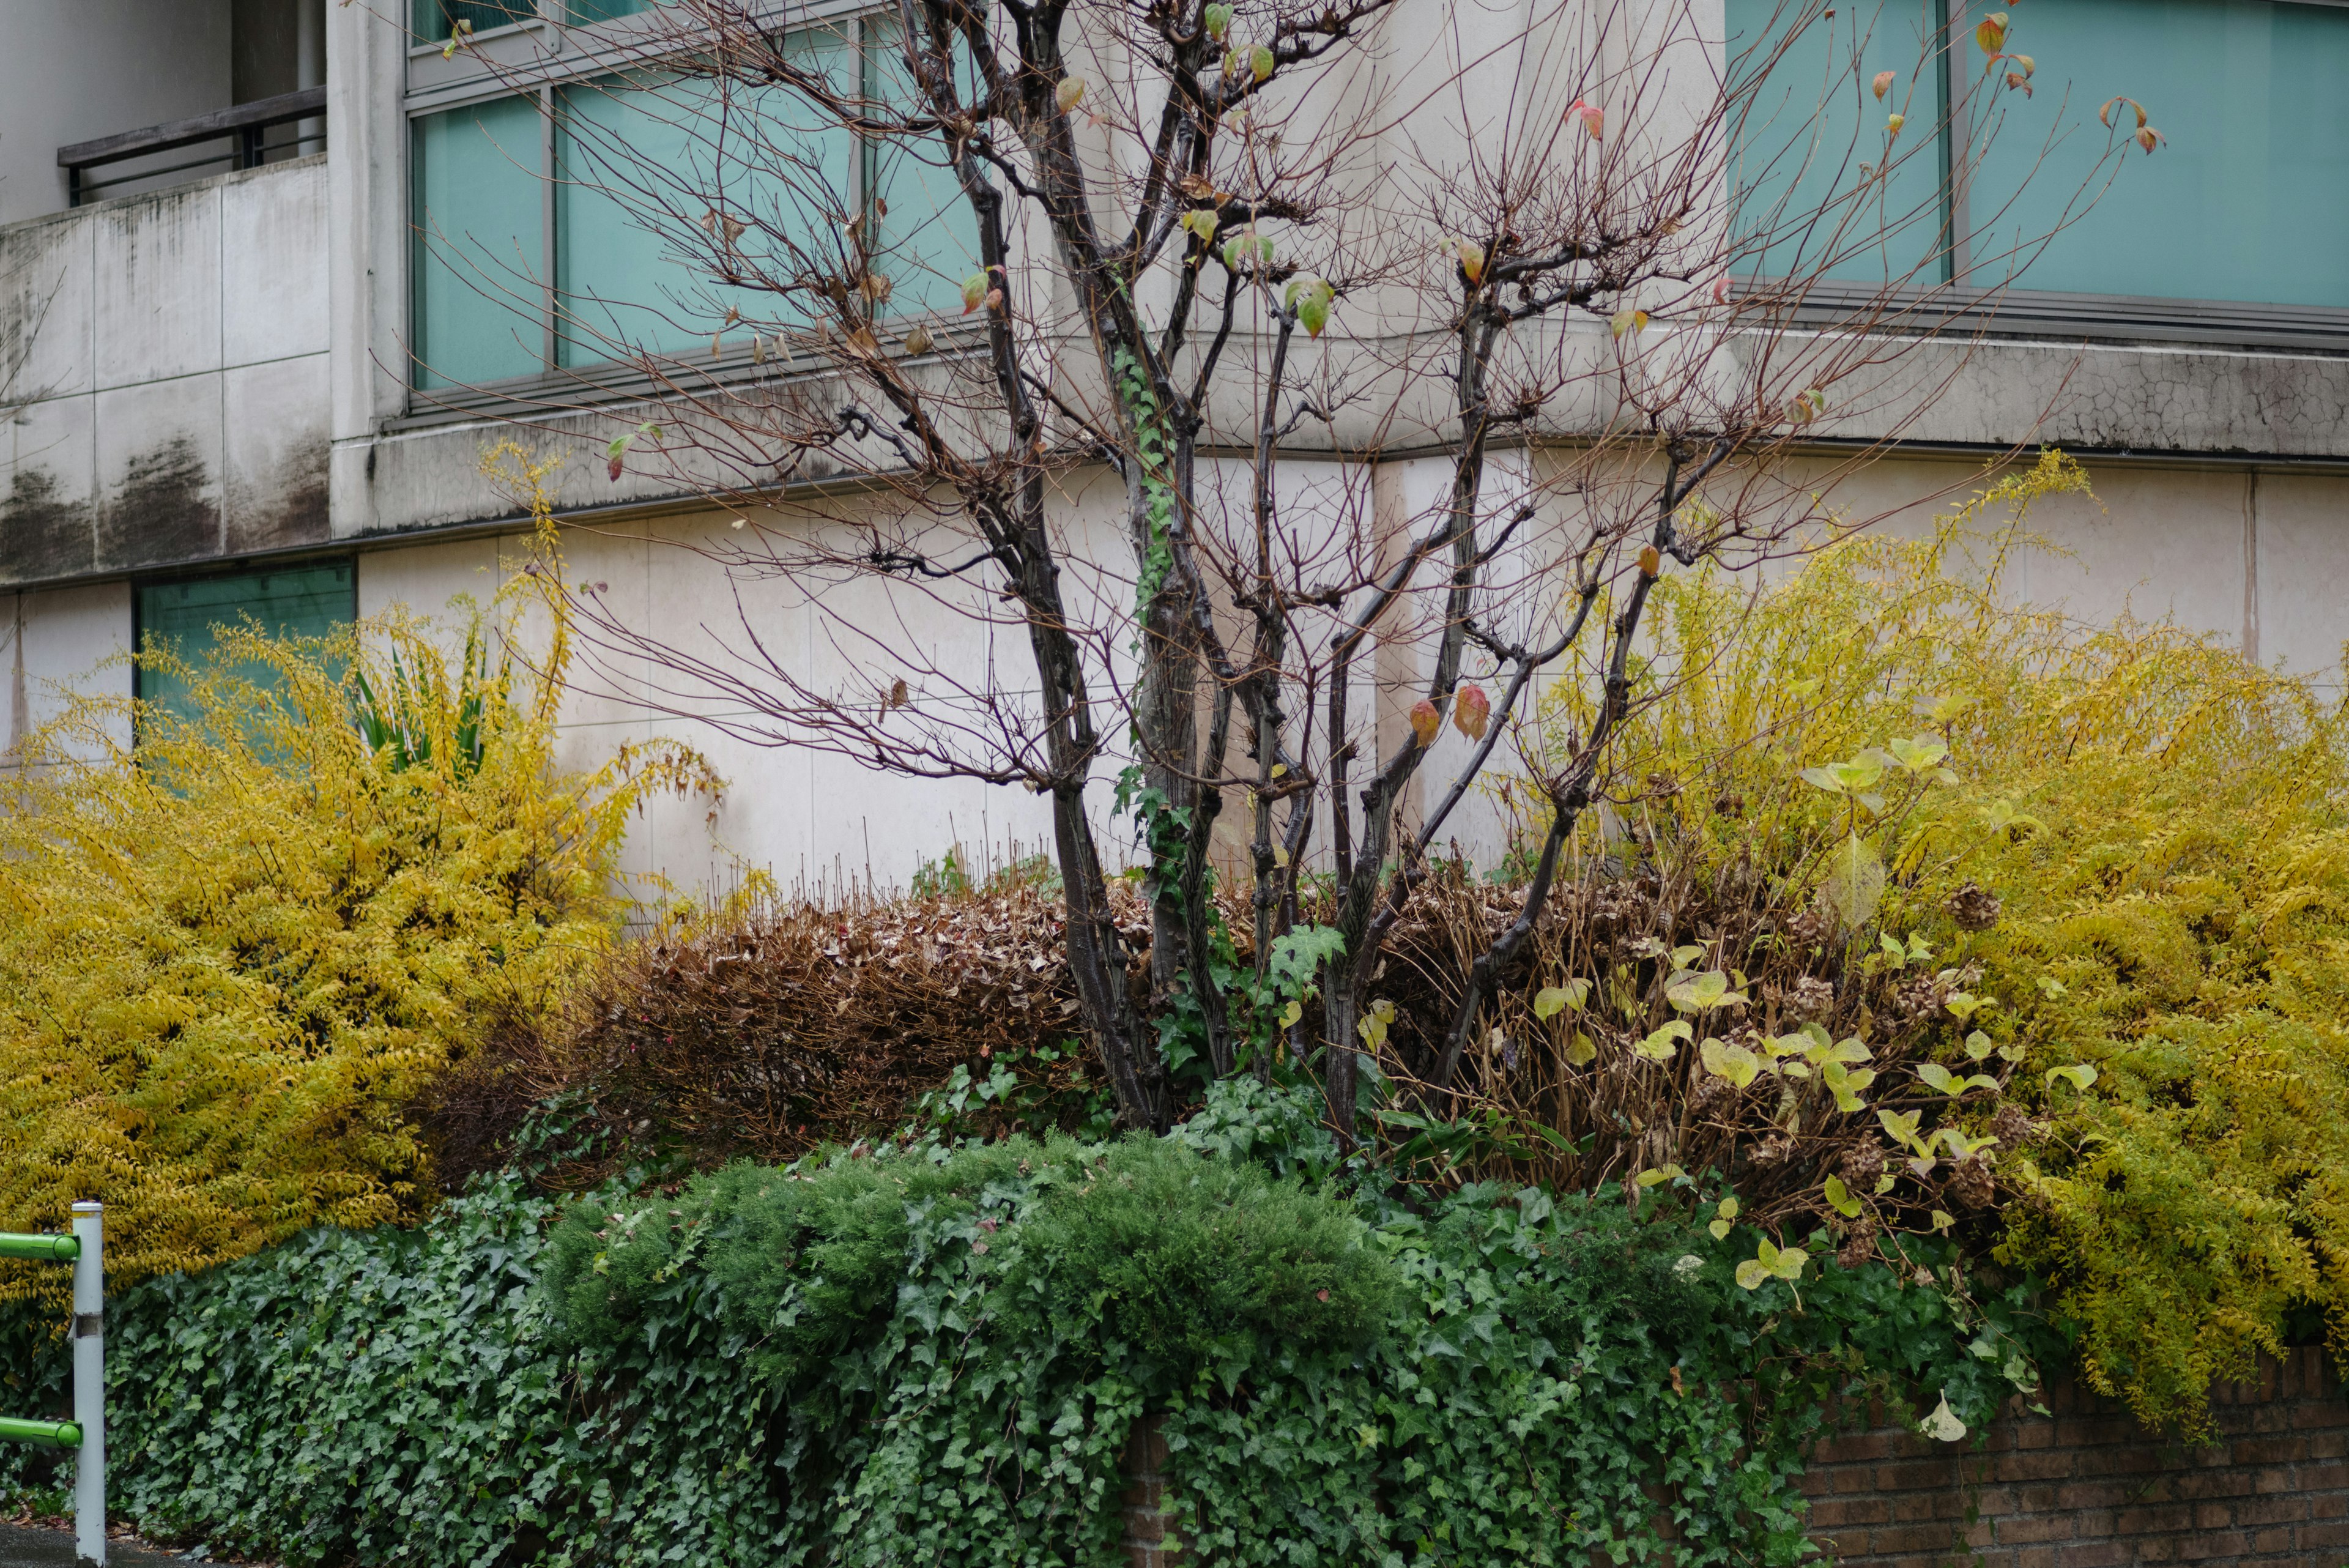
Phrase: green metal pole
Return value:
(48, 1434)
(40, 1249)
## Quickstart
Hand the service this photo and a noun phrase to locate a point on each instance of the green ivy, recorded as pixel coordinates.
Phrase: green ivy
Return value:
(938, 1354)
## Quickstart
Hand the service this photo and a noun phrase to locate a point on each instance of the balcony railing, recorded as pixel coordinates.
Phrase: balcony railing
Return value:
(245, 126)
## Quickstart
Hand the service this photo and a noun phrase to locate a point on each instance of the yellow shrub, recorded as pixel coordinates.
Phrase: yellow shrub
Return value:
(2168, 827)
(229, 956)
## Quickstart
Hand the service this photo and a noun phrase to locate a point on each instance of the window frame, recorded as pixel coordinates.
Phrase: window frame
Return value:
(2023, 312)
(546, 55)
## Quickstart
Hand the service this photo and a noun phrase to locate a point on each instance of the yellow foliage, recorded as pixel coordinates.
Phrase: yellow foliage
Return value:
(230, 955)
(2168, 827)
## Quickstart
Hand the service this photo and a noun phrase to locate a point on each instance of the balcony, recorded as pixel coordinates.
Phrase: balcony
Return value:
(243, 130)
(163, 354)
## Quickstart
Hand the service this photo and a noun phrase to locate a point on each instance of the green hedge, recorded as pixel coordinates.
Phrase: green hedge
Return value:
(939, 1357)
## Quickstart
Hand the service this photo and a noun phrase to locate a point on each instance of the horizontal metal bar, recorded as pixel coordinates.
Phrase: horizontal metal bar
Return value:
(40, 1249)
(228, 157)
(45, 1434)
(285, 106)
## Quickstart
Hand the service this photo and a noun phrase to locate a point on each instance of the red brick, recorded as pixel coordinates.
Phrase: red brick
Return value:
(2287, 1508)
(2044, 1464)
(2161, 1517)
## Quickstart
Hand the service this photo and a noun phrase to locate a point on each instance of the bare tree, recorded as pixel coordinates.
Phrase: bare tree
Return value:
(1237, 259)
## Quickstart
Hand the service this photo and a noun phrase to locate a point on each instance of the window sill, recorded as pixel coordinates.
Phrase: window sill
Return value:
(2112, 318)
(553, 394)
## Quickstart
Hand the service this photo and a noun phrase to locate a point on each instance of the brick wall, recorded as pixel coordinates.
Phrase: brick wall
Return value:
(2081, 1487)
(2086, 1487)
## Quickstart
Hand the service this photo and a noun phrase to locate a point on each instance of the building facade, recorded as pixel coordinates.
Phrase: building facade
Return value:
(266, 383)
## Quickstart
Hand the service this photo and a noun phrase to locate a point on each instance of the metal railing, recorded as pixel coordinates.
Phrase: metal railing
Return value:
(247, 123)
(86, 1433)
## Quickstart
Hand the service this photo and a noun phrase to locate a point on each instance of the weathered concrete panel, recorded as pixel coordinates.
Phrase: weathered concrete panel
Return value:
(48, 512)
(159, 467)
(45, 284)
(158, 286)
(274, 444)
(273, 264)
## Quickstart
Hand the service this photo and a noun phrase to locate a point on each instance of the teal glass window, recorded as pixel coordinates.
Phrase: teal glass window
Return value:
(631, 267)
(587, 13)
(1811, 138)
(432, 19)
(624, 269)
(311, 600)
(2248, 200)
(929, 235)
(480, 244)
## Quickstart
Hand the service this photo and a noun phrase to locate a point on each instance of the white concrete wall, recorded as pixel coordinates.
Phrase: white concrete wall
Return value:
(170, 359)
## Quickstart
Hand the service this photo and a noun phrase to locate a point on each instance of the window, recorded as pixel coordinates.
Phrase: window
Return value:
(1813, 133)
(545, 240)
(2246, 203)
(432, 19)
(291, 601)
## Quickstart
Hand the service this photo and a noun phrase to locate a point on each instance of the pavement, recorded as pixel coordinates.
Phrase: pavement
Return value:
(22, 1546)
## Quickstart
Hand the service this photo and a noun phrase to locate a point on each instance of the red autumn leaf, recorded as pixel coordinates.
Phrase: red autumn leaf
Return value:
(1884, 80)
(1472, 710)
(1425, 720)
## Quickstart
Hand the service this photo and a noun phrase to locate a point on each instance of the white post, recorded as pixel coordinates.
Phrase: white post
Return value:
(89, 1382)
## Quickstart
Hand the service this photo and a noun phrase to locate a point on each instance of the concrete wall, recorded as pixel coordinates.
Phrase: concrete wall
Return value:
(170, 353)
(77, 69)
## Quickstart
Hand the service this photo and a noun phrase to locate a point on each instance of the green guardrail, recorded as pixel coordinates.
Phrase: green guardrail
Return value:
(47, 1434)
(86, 1433)
(40, 1249)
